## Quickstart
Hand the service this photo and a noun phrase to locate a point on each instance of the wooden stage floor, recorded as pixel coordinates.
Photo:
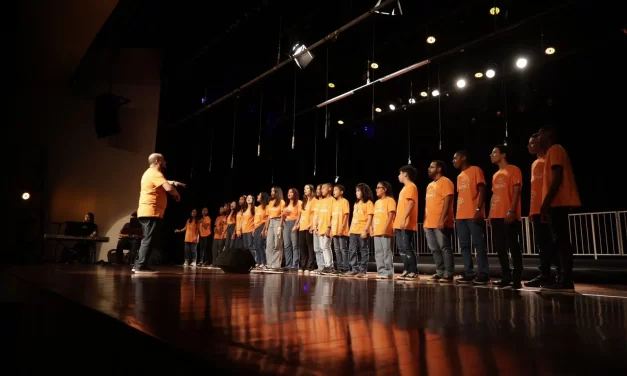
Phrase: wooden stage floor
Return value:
(300, 324)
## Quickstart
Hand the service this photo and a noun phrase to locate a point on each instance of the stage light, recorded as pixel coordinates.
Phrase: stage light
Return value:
(412, 101)
(423, 94)
(392, 107)
(435, 93)
(331, 85)
(494, 11)
(377, 109)
(203, 100)
(25, 196)
(340, 122)
(521, 62)
(301, 60)
(490, 73)
(431, 40)
(461, 83)
(374, 66)
(396, 10)
(337, 178)
(478, 75)
(549, 51)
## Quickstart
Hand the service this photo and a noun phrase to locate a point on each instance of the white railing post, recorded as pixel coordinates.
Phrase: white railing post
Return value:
(594, 237)
(529, 245)
(619, 229)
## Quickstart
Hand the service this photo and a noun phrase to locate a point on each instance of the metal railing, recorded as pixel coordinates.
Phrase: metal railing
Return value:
(596, 234)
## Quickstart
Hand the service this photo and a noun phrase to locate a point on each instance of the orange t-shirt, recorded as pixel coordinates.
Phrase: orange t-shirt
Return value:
(248, 222)
(382, 208)
(537, 173)
(339, 209)
(325, 208)
(204, 232)
(260, 216)
(275, 211)
(315, 206)
(238, 222)
(293, 212)
(434, 202)
(361, 211)
(306, 215)
(409, 192)
(152, 197)
(468, 193)
(191, 231)
(220, 227)
(503, 183)
(231, 219)
(568, 195)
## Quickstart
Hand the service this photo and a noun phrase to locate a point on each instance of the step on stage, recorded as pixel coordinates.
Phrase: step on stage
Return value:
(104, 319)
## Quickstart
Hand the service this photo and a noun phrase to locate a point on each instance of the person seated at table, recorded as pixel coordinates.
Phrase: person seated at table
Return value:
(130, 238)
(83, 249)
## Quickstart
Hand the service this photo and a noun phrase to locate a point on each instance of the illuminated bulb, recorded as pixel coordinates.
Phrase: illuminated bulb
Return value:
(521, 62)
(423, 94)
(549, 51)
(374, 65)
(412, 101)
(25, 196)
(392, 107)
(461, 83)
(431, 40)
(377, 109)
(435, 93)
(331, 85)
(340, 122)
(490, 73)
(478, 75)
(494, 11)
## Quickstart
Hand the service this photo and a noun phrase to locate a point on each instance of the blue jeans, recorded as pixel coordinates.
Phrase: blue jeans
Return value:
(405, 244)
(472, 233)
(383, 255)
(318, 252)
(358, 252)
(190, 251)
(291, 248)
(249, 244)
(340, 245)
(439, 243)
(259, 246)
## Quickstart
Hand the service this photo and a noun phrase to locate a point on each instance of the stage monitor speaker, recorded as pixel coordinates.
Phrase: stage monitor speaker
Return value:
(107, 115)
(238, 261)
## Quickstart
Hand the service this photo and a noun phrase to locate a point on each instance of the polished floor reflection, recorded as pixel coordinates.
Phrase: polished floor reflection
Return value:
(300, 324)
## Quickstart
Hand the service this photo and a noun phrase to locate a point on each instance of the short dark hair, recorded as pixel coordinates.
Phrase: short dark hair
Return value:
(340, 187)
(503, 149)
(388, 188)
(441, 165)
(462, 153)
(410, 171)
(330, 185)
(551, 130)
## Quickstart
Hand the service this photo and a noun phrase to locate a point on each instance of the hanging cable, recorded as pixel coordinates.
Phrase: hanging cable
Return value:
(337, 150)
(294, 111)
(439, 110)
(234, 129)
(326, 109)
(373, 105)
(315, 143)
(505, 104)
(408, 142)
(211, 150)
(260, 121)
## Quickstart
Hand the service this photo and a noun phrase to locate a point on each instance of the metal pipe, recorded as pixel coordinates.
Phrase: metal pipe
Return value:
(285, 62)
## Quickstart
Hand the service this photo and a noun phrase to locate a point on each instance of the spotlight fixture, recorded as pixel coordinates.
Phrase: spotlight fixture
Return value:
(374, 66)
(423, 94)
(521, 62)
(461, 83)
(378, 109)
(435, 93)
(25, 196)
(392, 107)
(303, 59)
(331, 85)
(412, 100)
(396, 10)
(431, 40)
(490, 73)
(478, 75)
(494, 11)
(549, 51)
(340, 122)
(203, 100)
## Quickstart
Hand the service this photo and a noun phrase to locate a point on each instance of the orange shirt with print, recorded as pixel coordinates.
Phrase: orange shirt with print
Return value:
(503, 183)
(204, 232)
(313, 217)
(468, 192)
(231, 219)
(191, 231)
(339, 209)
(248, 222)
(361, 211)
(293, 211)
(408, 193)
(382, 208)
(434, 203)
(275, 211)
(152, 196)
(568, 194)
(537, 174)
(238, 222)
(260, 216)
(325, 208)
(306, 215)
(220, 228)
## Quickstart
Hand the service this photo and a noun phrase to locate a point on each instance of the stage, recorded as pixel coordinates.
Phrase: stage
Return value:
(184, 319)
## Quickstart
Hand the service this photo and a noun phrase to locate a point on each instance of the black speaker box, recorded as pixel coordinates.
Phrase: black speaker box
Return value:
(107, 115)
(239, 260)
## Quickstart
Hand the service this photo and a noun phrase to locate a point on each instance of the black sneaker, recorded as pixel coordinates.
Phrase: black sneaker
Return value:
(560, 286)
(481, 280)
(502, 283)
(144, 270)
(412, 277)
(447, 279)
(337, 273)
(465, 279)
(349, 273)
(362, 275)
(435, 278)
(402, 276)
(516, 285)
(538, 281)
(328, 270)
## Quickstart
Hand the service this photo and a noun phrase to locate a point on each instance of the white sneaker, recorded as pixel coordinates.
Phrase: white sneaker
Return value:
(185, 263)
(193, 263)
